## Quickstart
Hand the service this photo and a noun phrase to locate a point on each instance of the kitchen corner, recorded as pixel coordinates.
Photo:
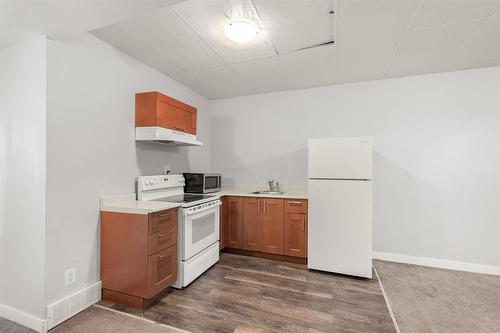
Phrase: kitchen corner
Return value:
(128, 204)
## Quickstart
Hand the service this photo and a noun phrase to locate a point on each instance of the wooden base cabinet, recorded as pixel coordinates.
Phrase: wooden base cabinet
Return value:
(270, 226)
(296, 235)
(235, 222)
(273, 231)
(138, 256)
(296, 228)
(252, 224)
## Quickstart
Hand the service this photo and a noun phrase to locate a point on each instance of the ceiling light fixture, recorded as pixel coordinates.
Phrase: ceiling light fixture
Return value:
(240, 30)
(242, 26)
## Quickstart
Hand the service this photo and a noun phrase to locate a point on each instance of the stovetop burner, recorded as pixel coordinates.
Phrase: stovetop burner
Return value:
(185, 198)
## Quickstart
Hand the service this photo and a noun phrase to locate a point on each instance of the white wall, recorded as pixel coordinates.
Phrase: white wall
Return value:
(22, 178)
(436, 162)
(91, 149)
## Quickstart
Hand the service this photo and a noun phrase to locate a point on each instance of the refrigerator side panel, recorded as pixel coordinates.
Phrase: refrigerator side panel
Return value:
(340, 158)
(340, 227)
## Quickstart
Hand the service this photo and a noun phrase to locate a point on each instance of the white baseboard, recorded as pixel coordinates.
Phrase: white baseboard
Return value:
(67, 307)
(22, 318)
(438, 263)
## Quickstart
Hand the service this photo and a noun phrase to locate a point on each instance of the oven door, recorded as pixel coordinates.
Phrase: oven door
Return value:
(200, 230)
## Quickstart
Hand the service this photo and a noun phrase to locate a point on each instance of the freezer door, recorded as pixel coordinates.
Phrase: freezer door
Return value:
(340, 158)
(340, 227)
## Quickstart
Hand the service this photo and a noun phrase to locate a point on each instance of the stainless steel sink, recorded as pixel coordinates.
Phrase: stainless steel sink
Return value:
(268, 192)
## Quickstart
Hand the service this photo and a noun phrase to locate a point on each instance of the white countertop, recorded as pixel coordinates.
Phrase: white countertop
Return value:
(289, 193)
(128, 204)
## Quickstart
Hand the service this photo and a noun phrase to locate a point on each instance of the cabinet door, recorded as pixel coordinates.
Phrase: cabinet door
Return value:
(235, 217)
(156, 109)
(162, 270)
(171, 117)
(296, 235)
(252, 224)
(272, 226)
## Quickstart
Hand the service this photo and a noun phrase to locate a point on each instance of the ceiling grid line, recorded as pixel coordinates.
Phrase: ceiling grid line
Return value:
(198, 34)
(444, 25)
(470, 38)
(400, 41)
(374, 39)
(336, 24)
(261, 24)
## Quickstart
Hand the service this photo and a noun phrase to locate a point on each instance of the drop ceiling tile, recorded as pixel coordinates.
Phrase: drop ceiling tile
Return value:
(367, 60)
(117, 38)
(294, 24)
(165, 33)
(262, 75)
(361, 20)
(218, 82)
(438, 12)
(310, 68)
(422, 50)
(481, 50)
(208, 19)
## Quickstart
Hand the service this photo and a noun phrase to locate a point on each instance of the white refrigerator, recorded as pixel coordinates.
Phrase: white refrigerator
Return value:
(340, 205)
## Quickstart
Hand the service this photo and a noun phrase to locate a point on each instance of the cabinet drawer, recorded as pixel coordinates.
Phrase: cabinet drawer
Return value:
(296, 206)
(162, 270)
(164, 220)
(162, 240)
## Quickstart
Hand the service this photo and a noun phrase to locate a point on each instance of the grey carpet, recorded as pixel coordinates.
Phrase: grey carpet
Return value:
(96, 320)
(432, 300)
(7, 326)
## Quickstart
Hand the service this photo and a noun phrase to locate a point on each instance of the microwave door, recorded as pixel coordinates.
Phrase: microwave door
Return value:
(210, 182)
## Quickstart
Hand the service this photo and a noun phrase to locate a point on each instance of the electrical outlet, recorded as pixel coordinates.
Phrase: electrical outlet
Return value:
(70, 276)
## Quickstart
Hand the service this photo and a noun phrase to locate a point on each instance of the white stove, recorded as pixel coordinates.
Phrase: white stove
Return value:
(198, 218)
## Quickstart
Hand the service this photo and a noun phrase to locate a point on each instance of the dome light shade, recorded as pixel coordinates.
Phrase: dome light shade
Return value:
(240, 31)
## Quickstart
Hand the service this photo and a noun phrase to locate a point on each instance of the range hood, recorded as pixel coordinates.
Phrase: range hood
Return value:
(165, 136)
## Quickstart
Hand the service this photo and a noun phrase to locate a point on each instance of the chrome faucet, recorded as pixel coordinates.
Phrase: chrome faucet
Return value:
(274, 187)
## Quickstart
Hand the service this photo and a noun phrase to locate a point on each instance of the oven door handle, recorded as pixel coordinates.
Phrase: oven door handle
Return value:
(196, 212)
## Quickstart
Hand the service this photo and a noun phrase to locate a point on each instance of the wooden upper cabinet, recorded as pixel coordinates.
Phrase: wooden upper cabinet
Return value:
(252, 224)
(296, 235)
(156, 109)
(272, 226)
(235, 221)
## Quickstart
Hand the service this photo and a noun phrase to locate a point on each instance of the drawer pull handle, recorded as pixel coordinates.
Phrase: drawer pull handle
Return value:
(166, 214)
(181, 129)
(161, 257)
(295, 203)
(160, 236)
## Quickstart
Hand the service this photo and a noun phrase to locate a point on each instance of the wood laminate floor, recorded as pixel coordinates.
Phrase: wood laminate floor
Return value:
(245, 294)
